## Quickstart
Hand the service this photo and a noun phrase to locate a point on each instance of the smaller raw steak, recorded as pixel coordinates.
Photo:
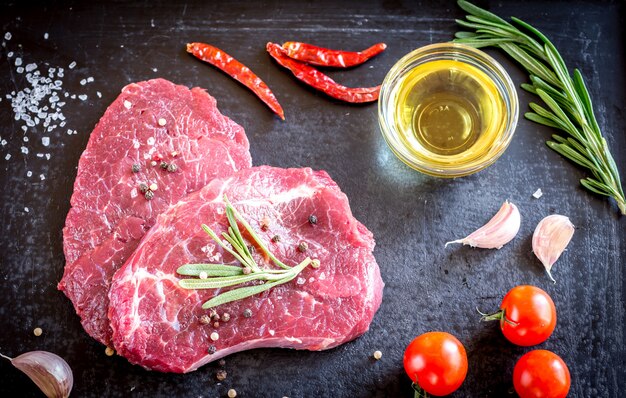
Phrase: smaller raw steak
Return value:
(156, 323)
(150, 121)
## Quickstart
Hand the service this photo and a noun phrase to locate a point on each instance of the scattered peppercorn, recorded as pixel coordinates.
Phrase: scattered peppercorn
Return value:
(136, 168)
(251, 249)
(378, 355)
(216, 325)
(171, 168)
(232, 393)
(149, 195)
(315, 263)
(143, 188)
(302, 247)
(312, 219)
(37, 332)
(247, 313)
(221, 362)
(275, 238)
(211, 350)
(215, 316)
(221, 375)
(265, 223)
(205, 320)
(225, 317)
(109, 351)
(164, 165)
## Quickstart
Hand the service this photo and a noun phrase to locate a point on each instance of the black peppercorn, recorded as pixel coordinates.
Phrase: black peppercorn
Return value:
(211, 349)
(164, 165)
(275, 238)
(247, 313)
(302, 247)
(171, 168)
(312, 219)
(149, 195)
(143, 188)
(136, 168)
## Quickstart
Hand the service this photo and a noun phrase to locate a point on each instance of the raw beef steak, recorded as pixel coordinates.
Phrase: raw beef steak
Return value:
(156, 323)
(150, 121)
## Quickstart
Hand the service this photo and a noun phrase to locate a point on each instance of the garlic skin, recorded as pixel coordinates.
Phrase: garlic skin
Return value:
(498, 231)
(49, 371)
(551, 237)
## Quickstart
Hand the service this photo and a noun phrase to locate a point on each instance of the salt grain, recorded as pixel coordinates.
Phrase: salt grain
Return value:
(537, 194)
(19, 70)
(18, 61)
(24, 150)
(42, 177)
(10, 54)
(162, 122)
(45, 141)
(8, 156)
(300, 281)
(45, 36)
(26, 209)
(25, 139)
(72, 65)
(7, 36)
(31, 67)
(83, 82)
(82, 97)
(3, 142)
(99, 94)
(29, 173)
(127, 104)
(89, 79)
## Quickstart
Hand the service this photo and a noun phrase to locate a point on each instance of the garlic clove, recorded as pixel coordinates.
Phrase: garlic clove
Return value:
(498, 231)
(551, 237)
(48, 371)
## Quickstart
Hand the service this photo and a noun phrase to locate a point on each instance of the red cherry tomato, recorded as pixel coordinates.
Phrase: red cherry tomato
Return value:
(436, 362)
(527, 315)
(541, 374)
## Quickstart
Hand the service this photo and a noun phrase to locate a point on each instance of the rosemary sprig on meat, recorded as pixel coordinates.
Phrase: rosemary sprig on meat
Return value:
(569, 106)
(216, 276)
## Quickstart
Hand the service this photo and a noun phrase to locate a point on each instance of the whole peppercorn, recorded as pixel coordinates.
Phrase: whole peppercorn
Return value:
(247, 313)
(149, 195)
(136, 168)
(225, 317)
(143, 188)
(302, 247)
(171, 168)
(211, 349)
(164, 165)
(312, 219)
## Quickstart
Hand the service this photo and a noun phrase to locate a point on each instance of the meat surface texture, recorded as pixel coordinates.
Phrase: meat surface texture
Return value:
(156, 323)
(153, 120)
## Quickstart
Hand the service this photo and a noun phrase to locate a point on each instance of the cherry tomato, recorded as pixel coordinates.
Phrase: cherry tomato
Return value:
(436, 362)
(527, 316)
(541, 374)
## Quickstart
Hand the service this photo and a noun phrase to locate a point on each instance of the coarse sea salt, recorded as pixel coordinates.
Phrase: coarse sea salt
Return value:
(29, 173)
(8, 156)
(7, 36)
(26, 209)
(45, 141)
(45, 36)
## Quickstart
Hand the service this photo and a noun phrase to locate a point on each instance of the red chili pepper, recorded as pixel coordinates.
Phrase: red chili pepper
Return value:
(237, 71)
(326, 57)
(320, 81)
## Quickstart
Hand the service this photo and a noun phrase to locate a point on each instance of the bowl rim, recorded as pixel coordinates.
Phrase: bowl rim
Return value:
(502, 81)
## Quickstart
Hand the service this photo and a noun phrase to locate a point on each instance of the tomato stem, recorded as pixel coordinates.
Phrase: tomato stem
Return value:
(419, 391)
(499, 315)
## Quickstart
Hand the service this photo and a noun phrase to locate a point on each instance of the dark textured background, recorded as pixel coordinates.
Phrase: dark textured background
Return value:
(411, 215)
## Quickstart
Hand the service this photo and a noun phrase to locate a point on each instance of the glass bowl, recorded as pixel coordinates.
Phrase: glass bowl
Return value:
(495, 115)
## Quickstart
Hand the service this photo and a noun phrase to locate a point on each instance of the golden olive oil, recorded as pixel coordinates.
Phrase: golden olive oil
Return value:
(448, 112)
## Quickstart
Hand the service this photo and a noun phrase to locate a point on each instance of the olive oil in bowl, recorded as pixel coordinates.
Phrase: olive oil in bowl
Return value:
(447, 116)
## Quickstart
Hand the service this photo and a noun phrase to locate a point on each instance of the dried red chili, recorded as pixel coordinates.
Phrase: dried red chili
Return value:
(326, 57)
(237, 71)
(320, 81)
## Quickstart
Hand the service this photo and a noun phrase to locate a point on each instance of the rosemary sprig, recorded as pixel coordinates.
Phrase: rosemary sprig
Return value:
(569, 106)
(217, 276)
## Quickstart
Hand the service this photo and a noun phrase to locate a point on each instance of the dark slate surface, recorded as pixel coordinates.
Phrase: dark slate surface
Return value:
(427, 287)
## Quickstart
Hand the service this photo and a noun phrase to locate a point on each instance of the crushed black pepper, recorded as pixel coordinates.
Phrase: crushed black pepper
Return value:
(312, 219)
(136, 168)
(211, 350)
(149, 195)
(247, 313)
(275, 238)
(143, 187)
(302, 247)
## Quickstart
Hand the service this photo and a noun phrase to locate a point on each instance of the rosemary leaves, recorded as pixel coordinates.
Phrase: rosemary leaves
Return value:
(215, 276)
(568, 101)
